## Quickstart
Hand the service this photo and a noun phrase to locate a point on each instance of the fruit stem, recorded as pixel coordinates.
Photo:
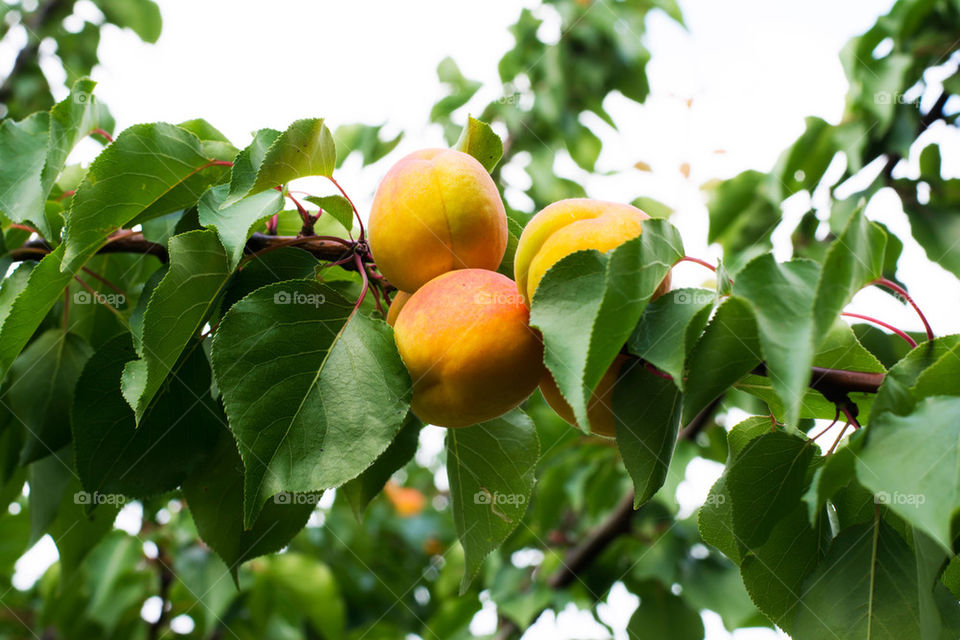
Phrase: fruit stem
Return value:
(846, 425)
(703, 263)
(99, 277)
(308, 220)
(883, 282)
(836, 419)
(353, 206)
(902, 334)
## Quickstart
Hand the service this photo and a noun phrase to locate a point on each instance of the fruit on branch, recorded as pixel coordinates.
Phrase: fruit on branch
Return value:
(436, 210)
(603, 422)
(466, 341)
(558, 230)
(572, 225)
(395, 305)
(406, 501)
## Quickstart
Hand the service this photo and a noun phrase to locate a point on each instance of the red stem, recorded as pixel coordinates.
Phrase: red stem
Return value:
(355, 212)
(883, 282)
(366, 283)
(23, 227)
(910, 341)
(102, 134)
(703, 263)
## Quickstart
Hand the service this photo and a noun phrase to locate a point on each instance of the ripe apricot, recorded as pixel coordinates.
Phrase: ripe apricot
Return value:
(465, 339)
(573, 225)
(436, 210)
(395, 305)
(599, 407)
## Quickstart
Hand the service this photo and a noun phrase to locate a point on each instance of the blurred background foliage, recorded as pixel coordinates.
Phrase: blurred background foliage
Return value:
(397, 571)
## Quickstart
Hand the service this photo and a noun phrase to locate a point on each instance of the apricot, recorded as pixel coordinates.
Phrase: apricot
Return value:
(465, 338)
(436, 210)
(395, 305)
(600, 406)
(573, 225)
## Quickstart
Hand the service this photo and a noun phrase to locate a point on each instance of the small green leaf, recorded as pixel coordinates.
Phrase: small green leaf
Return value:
(727, 351)
(669, 327)
(491, 470)
(336, 206)
(647, 408)
(140, 16)
(365, 487)
(306, 148)
(662, 614)
(234, 223)
(313, 399)
(178, 306)
(479, 140)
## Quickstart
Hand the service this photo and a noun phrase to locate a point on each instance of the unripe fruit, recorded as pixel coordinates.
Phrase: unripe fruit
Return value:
(599, 407)
(465, 339)
(395, 305)
(436, 210)
(572, 225)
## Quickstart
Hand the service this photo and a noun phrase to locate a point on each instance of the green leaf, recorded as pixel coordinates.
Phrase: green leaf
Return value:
(143, 165)
(896, 394)
(662, 614)
(727, 351)
(364, 139)
(34, 151)
(866, 587)
(804, 163)
(647, 408)
(782, 297)
(588, 304)
(41, 387)
(48, 480)
(141, 16)
(834, 474)
(774, 573)
(299, 587)
(286, 263)
(365, 487)
(912, 464)
(336, 206)
(479, 140)
(25, 298)
(306, 148)
(491, 470)
(313, 399)
(669, 327)
(80, 525)
(853, 260)
(235, 223)
(766, 482)
(214, 494)
(114, 455)
(198, 271)
(743, 213)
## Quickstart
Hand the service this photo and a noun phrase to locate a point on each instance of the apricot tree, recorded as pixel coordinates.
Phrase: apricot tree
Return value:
(183, 329)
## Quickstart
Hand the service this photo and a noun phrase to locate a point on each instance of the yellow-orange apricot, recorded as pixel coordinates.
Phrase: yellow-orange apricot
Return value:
(599, 407)
(465, 339)
(395, 305)
(573, 225)
(436, 210)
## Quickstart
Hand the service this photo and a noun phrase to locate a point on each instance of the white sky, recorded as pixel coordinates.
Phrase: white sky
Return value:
(754, 69)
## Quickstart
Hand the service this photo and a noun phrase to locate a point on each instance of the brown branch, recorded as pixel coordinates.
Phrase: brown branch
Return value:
(327, 250)
(935, 113)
